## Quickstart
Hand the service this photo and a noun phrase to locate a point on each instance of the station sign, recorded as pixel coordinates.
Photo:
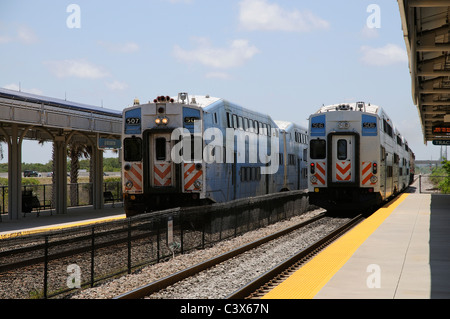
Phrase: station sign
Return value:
(442, 129)
(441, 142)
(109, 143)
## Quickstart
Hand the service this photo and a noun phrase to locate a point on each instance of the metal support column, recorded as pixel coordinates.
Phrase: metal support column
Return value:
(14, 173)
(97, 158)
(60, 186)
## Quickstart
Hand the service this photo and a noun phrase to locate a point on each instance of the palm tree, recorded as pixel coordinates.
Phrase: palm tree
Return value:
(75, 151)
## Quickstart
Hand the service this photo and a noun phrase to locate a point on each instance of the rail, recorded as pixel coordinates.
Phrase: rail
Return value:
(266, 281)
(170, 280)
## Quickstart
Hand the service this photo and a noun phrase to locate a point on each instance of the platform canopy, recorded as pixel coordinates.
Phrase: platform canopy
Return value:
(46, 119)
(426, 29)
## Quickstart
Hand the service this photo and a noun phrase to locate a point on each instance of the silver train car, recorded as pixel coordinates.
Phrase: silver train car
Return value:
(194, 150)
(357, 158)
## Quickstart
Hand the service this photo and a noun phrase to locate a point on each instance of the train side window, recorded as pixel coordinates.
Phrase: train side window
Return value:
(245, 124)
(229, 120)
(160, 149)
(241, 123)
(132, 149)
(342, 150)
(235, 121)
(318, 149)
(215, 118)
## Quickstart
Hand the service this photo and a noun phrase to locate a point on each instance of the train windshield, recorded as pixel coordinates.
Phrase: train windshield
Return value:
(318, 149)
(132, 149)
(160, 149)
(342, 150)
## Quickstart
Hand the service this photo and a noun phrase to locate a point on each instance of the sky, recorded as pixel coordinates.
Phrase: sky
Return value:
(285, 58)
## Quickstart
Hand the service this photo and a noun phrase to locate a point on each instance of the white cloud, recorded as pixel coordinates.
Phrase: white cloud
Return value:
(262, 15)
(26, 35)
(369, 33)
(23, 34)
(15, 87)
(235, 55)
(128, 47)
(387, 55)
(117, 86)
(75, 68)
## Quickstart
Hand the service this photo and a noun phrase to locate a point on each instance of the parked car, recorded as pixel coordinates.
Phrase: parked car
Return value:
(28, 173)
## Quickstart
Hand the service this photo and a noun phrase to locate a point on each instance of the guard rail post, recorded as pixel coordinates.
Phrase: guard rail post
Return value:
(45, 266)
(92, 255)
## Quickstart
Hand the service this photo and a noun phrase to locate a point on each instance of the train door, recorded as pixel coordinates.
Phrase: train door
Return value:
(343, 154)
(161, 166)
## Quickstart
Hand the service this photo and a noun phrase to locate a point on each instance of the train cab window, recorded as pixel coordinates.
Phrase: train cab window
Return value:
(318, 149)
(342, 150)
(160, 149)
(132, 149)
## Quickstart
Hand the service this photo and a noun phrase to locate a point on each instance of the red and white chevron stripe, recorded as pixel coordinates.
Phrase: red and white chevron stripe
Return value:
(163, 175)
(134, 175)
(343, 171)
(320, 173)
(366, 173)
(191, 174)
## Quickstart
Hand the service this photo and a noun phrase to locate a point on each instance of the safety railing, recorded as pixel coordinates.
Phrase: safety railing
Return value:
(61, 262)
(79, 194)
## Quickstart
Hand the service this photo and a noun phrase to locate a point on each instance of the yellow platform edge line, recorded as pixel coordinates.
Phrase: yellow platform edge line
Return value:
(59, 227)
(312, 277)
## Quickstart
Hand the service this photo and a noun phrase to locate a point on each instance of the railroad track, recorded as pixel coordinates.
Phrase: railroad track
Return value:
(269, 280)
(162, 284)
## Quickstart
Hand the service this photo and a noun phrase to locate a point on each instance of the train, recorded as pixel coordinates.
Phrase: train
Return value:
(357, 157)
(190, 150)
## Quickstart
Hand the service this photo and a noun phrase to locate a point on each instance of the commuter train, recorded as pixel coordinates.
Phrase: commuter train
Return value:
(357, 158)
(195, 150)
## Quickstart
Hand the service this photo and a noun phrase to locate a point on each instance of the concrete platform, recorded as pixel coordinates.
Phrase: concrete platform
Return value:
(407, 256)
(76, 216)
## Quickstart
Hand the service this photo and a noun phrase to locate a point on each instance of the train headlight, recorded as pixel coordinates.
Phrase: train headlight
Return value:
(343, 125)
(161, 121)
(373, 179)
(129, 184)
(198, 184)
(313, 179)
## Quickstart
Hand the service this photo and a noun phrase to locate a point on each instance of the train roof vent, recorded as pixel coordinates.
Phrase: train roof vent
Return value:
(343, 107)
